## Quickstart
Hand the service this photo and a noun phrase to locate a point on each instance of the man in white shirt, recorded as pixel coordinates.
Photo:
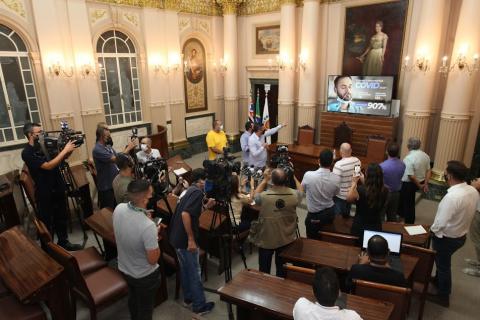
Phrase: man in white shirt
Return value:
(326, 290)
(147, 153)
(244, 142)
(320, 186)
(474, 235)
(416, 177)
(451, 224)
(344, 168)
(258, 146)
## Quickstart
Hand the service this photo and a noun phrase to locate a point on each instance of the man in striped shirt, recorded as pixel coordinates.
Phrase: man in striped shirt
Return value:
(344, 168)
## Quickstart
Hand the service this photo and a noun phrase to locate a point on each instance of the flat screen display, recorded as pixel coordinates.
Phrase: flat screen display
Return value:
(360, 94)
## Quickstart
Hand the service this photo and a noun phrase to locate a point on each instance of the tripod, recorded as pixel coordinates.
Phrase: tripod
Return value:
(74, 193)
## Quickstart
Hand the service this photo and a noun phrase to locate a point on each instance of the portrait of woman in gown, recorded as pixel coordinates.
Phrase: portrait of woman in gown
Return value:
(374, 55)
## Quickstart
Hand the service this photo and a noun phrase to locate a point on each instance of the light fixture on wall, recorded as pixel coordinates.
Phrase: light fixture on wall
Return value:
(85, 65)
(172, 65)
(461, 63)
(57, 70)
(302, 61)
(422, 64)
(221, 67)
(284, 61)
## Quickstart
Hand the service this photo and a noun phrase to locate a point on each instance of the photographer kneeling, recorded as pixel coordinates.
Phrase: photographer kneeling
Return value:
(277, 222)
(49, 185)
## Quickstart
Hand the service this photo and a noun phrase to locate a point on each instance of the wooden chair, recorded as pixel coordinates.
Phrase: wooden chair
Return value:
(28, 186)
(339, 238)
(88, 259)
(160, 141)
(300, 274)
(90, 166)
(169, 256)
(397, 295)
(423, 270)
(376, 148)
(342, 133)
(98, 289)
(306, 135)
(15, 310)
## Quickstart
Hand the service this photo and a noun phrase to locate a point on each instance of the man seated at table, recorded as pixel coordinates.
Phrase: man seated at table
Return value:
(147, 153)
(374, 265)
(326, 289)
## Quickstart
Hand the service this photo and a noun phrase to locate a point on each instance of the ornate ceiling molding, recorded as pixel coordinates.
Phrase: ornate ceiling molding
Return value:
(16, 6)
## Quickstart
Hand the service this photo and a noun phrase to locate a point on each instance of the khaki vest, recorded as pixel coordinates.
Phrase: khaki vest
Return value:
(277, 221)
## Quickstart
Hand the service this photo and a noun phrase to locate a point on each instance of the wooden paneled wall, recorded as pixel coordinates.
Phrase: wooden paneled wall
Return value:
(362, 125)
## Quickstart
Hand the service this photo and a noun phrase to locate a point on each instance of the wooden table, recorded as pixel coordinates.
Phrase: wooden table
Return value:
(31, 274)
(258, 295)
(342, 225)
(101, 223)
(176, 163)
(315, 253)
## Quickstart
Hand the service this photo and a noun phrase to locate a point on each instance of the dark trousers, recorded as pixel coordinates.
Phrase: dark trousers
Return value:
(342, 207)
(52, 211)
(391, 209)
(407, 201)
(445, 248)
(265, 260)
(106, 199)
(315, 220)
(141, 295)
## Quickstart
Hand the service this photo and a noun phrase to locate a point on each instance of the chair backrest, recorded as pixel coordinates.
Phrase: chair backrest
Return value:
(424, 266)
(28, 186)
(342, 133)
(306, 135)
(376, 148)
(90, 166)
(160, 141)
(42, 232)
(339, 238)
(300, 274)
(397, 295)
(71, 267)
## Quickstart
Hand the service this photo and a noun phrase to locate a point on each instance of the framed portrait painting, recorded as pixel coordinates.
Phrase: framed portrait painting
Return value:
(374, 39)
(267, 39)
(195, 76)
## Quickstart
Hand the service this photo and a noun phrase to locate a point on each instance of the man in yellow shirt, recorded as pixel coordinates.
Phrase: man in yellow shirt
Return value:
(216, 140)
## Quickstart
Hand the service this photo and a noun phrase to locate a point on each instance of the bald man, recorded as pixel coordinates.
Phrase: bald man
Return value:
(344, 168)
(147, 153)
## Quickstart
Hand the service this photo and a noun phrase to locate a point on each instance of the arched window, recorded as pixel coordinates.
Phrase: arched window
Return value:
(18, 98)
(119, 78)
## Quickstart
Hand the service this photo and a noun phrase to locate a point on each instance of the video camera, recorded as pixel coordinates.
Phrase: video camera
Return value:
(219, 175)
(55, 141)
(252, 172)
(153, 170)
(283, 161)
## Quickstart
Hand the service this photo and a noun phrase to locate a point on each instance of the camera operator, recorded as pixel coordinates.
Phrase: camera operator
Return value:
(147, 153)
(258, 146)
(123, 178)
(238, 199)
(184, 233)
(104, 157)
(49, 184)
(277, 221)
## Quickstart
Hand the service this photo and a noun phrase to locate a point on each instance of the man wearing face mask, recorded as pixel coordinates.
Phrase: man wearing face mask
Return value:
(49, 184)
(147, 153)
(216, 140)
(342, 85)
(258, 146)
(104, 157)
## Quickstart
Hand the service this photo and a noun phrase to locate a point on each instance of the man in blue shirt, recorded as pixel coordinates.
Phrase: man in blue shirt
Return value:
(244, 142)
(393, 170)
(258, 146)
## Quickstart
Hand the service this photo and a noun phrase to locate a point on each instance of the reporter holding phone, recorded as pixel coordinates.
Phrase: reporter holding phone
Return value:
(370, 199)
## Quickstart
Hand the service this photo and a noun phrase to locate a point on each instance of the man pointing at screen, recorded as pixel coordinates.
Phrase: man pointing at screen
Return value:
(342, 85)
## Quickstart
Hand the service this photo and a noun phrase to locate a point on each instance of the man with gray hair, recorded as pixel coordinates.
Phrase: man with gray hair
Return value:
(416, 177)
(147, 153)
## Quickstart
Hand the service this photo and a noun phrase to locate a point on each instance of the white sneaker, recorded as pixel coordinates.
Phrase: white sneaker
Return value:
(473, 262)
(472, 272)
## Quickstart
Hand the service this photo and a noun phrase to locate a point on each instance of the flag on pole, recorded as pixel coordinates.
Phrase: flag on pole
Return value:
(258, 117)
(251, 109)
(266, 118)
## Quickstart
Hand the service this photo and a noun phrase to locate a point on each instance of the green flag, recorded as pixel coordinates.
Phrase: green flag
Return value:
(258, 117)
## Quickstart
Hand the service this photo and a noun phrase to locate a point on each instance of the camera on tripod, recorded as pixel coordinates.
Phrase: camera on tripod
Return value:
(55, 141)
(219, 176)
(252, 172)
(283, 161)
(154, 170)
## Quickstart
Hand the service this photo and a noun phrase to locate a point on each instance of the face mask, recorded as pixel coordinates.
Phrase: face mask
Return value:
(109, 142)
(343, 101)
(144, 147)
(36, 143)
(221, 127)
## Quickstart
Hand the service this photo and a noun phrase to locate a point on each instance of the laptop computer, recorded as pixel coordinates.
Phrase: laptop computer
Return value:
(394, 241)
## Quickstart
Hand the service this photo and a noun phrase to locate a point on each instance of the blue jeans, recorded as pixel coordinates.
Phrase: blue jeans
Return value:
(342, 207)
(445, 248)
(190, 273)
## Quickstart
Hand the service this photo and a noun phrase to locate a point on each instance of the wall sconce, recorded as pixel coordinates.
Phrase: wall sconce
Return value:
(87, 70)
(421, 64)
(158, 64)
(221, 67)
(56, 70)
(284, 62)
(461, 63)
(302, 61)
(84, 65)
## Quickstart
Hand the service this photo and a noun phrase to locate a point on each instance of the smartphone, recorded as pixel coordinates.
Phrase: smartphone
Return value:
(357, 170)
(157, 221)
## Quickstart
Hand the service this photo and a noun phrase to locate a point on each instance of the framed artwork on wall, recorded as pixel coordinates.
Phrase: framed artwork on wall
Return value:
(267, 39)
(195, 76)
(374, 39)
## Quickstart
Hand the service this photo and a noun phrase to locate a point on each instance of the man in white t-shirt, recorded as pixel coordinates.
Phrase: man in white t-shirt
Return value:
(147, 153)
(474, 235)
(326, 290)
(344, 168)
